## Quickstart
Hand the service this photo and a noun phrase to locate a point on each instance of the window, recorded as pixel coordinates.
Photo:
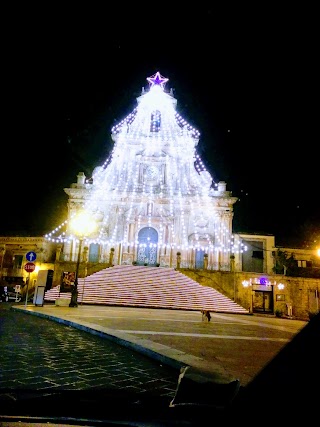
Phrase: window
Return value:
(155, 121)
(94, 252)
(304, 263)
(18, 261)
(257, 254)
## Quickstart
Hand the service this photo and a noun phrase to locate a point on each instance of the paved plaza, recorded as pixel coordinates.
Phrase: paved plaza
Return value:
(229, 347)
(140, 350)
(40, 354)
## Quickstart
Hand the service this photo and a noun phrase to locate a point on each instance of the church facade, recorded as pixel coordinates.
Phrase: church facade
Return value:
(153, 201)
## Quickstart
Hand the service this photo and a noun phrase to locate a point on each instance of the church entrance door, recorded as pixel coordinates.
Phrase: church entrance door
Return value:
(147, 249)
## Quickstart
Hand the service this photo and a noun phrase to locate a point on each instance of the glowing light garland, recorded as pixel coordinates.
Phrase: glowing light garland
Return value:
(155, 178)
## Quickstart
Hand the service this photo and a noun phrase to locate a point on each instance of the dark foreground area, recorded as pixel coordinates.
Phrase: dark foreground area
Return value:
(40, 354)
(54, 373)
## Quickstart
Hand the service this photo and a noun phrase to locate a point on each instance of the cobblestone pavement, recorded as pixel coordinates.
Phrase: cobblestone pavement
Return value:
(228, 347)
(130, 349)
(39, 354)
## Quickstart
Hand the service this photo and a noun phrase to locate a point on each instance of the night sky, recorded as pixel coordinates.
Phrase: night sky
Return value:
(246, 79)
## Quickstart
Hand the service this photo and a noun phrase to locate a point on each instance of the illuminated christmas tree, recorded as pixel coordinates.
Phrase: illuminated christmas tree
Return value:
(153, 198)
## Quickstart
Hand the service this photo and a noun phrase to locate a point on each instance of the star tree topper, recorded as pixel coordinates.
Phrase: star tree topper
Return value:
(157, 80)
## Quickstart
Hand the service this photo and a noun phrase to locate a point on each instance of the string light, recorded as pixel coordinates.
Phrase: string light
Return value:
(155, 178)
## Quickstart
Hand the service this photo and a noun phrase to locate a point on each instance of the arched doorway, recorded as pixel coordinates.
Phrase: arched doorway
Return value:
(148, 244)
(200, 242)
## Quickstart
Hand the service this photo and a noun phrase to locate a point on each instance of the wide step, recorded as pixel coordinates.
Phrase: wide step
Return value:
(153, 287)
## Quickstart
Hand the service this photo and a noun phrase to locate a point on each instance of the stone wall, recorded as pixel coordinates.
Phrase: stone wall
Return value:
(299, 296)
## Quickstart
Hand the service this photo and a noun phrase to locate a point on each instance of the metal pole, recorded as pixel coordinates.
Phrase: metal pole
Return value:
(25, 304)
(74, 293)
(3, 250)
(84, 280)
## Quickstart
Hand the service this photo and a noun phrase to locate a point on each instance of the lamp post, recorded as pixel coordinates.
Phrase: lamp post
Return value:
(3, 252)
(316, 291)
(83, 225)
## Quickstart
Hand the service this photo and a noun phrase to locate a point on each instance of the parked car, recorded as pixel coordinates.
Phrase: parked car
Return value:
(9, 293)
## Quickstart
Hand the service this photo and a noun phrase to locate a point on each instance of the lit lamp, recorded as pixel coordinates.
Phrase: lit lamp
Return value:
(82, 225)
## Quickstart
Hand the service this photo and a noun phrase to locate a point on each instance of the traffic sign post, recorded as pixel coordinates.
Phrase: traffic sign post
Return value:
(31, 256)
(29, 267)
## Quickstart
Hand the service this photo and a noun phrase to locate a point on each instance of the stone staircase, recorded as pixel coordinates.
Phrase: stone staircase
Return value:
(152, 287)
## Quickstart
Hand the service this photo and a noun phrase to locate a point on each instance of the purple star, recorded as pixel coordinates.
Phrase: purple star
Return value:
(157, 79)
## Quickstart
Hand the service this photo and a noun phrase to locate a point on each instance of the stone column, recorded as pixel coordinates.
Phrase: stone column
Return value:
(205, 261)
(111, 257)
(178, 260)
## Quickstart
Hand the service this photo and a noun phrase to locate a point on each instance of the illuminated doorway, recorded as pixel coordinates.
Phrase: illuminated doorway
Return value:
(148, 246)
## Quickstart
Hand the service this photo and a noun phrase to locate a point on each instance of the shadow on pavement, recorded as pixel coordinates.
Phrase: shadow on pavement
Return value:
(288, 387)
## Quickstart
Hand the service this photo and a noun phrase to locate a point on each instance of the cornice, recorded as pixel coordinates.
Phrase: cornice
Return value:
(8, 239)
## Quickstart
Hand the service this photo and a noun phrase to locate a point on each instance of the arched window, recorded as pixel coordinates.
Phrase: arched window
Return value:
(155, 121)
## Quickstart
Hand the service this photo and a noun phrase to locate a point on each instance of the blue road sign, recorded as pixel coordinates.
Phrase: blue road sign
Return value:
(31, 256)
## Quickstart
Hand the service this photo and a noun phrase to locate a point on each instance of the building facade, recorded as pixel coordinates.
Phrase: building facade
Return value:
(153, 198)
(154, 203)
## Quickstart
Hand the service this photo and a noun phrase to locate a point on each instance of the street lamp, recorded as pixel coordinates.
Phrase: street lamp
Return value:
(3, 252)
(82, 225)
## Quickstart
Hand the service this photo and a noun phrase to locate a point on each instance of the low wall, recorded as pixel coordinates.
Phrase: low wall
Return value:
(299, 297)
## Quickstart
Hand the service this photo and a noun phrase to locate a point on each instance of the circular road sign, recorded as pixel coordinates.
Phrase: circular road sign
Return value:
(31, 256)
(29, 267)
